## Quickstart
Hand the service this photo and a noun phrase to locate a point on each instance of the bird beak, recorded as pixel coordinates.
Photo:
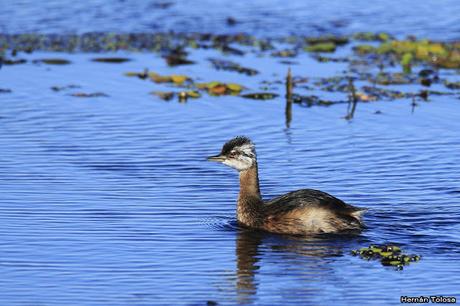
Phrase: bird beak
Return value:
(217, 158)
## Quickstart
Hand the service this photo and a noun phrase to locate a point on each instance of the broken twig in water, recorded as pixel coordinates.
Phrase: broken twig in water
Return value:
(353, 100)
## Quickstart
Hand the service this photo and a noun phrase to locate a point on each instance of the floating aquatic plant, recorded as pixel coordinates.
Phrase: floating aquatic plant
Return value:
(88, 95)
(260, 96)
(369, 36)
(113, 60)
(384, 78)
(312, 100)
(452, 85)
(182, 96)
(388, 255)
(61, 88)
(284, 53)
(164, 95)
(176, 60)
(176, 79)
(444, 55)
(218, 88)
(321, 47)
(232, 66)
(325, 39)
(52, 61)
(13, 61)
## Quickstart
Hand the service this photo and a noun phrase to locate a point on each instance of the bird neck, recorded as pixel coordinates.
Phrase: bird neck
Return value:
(250, 203)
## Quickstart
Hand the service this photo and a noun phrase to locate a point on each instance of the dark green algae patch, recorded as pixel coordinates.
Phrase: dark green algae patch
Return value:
(371, 59)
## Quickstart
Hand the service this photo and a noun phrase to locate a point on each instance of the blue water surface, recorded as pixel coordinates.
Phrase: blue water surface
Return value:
(110, 200)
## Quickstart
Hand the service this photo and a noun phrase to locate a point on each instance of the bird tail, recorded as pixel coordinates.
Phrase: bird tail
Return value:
(358, 213)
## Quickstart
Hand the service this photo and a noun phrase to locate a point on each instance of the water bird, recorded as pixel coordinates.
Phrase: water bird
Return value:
(301, 212)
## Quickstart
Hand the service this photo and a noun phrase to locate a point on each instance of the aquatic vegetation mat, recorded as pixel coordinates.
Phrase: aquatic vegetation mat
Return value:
(388, 255)
(374, 66)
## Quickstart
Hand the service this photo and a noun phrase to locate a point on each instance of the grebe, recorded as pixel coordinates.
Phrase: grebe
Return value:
(300, 212)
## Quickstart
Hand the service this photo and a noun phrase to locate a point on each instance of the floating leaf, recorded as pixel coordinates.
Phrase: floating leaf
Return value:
(383, 78)
(52, 61)
(183, 95)
(321, 47)
(425, 82)
(159, 79)
(60, 88)
(327, 39)
(175, 78)
(201, 85)
(164, 95)
(132, 74)
(365, 97)
(88, 95)
(231, 50)
(452, 85)
(193, 94)
(324, 59)
(444, 55)
(312, 100)
(260, 96)
(232, 66)
(364, 49)
(12, 62)
(113, 60)
(219, 89)
(369, 36)
(235, 87)
(140, 75)
(176, 60)
(178, 79)
(284, 53)
(382, 93)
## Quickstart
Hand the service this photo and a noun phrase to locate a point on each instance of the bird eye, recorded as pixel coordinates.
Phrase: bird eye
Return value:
(232, 154)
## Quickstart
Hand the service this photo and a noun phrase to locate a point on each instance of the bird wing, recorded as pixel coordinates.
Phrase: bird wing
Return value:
(308, 197)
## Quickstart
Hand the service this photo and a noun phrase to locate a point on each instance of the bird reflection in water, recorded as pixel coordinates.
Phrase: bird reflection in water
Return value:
(312, 252)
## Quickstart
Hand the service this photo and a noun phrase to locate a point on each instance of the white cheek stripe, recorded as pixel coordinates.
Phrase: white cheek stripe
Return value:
(243, 163)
